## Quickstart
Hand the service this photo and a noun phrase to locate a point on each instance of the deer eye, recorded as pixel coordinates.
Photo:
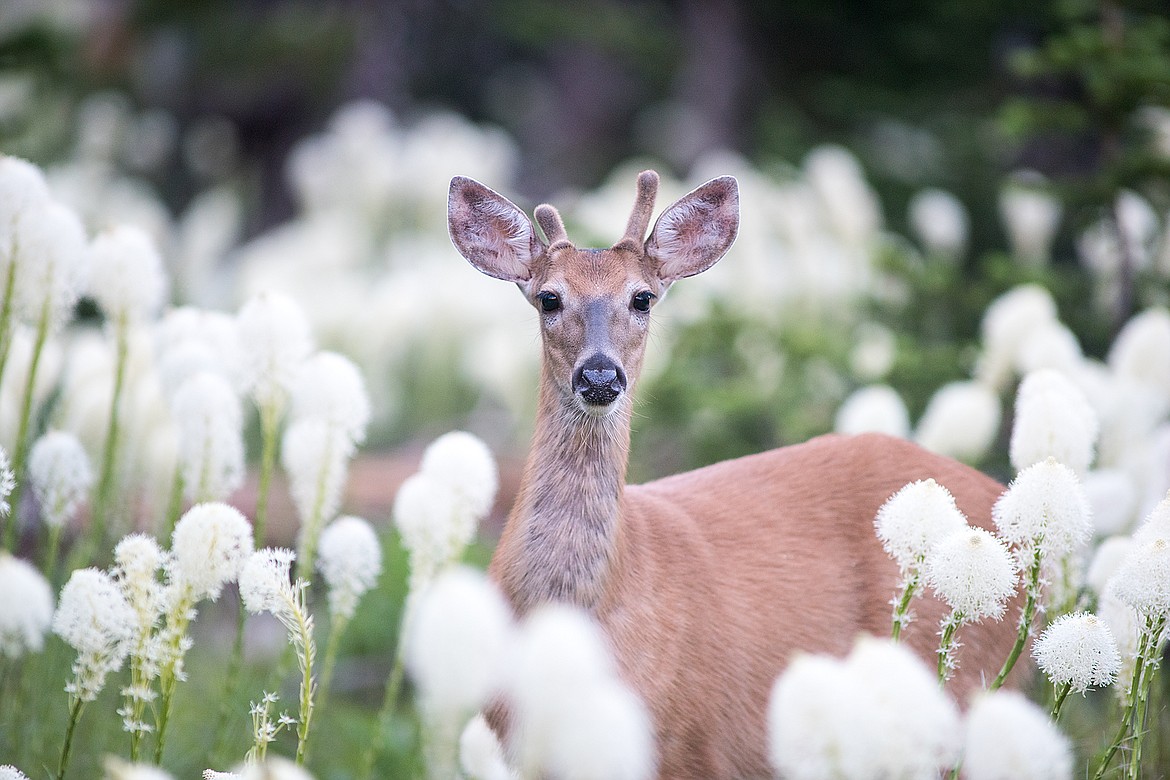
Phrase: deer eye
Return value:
(549, 301)
(641, 301)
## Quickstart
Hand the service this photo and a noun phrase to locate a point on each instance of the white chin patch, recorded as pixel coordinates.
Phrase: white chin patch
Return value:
(597, 410)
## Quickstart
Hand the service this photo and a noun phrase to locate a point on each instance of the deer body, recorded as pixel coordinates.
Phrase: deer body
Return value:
(707, 582)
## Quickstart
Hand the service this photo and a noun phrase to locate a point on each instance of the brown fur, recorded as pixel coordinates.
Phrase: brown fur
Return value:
(706, 582)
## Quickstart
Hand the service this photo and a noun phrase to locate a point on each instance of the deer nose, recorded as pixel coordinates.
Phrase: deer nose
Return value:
(599, 380)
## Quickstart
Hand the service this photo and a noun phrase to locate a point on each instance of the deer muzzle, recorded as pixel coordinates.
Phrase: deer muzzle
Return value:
(599, 381)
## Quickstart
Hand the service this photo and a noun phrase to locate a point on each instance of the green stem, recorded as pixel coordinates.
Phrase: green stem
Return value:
(52, 549)
(6, 313)
(1031, 595)
(110, 449)
(269, 428)
(902, 609)
(946, 647)
(331, 648)
(168, 678)
(135, 704)
(231, 681)
(21, 450)
(1154, 628)
(1130, 704)
(305, 628)
(385, 716)
(74, 716)
(311, 530)
(175, 503)
(1060, 692)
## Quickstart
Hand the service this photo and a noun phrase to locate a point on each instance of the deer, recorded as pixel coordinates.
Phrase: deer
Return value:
(705, 583)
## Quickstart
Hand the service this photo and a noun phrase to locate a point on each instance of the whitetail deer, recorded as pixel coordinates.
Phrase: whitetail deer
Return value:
(705, 582)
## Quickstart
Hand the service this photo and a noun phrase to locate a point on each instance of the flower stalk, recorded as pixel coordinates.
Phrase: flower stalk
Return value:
(1027, 615)
(110, 447)
(20, 451)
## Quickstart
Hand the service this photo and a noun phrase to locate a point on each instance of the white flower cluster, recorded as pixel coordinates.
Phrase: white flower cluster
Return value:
(1053, 420)
(7, 483)
(328, 421)
(574, 717)
(210, 420)
(93, 618)
(127, 279)
(1142, 578)
(266, 586)
(460, 610)
(1045, 512)
(1009, 736)
(438, 509)
(26, 610)
(916, 518)
(275, 340)
(60, 475)
(877, 713)
(350, 560)
(1078, 650)
(138, 564)
(210, 544)
(973, 572)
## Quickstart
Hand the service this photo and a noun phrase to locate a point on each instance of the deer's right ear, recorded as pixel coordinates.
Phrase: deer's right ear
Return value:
(491, 232)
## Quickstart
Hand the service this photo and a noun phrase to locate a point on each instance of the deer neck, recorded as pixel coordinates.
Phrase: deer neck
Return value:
(566, 525)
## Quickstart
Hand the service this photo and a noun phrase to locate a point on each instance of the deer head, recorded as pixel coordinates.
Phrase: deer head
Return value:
(594, 304)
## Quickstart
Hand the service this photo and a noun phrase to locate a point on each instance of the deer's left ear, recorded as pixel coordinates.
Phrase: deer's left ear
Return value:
(696, 230)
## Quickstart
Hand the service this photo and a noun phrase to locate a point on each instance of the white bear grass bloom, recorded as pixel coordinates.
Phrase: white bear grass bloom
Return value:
(876, 408)
(329, 416)
(9, 772)
(1008, 736)
(117, 769)
(463, 463)
(940, 223)
(211, 437)
(7, 483)
(961, 420)
(433, 525)
(126, 279)
(481, 756)
(975, 574)
(315, 456)
(93, 618)
(877, 713)
(138, 560)
(1053, 419)
(1142, 583)
(1045, 515)
(60, 476)
(437, 511)
(350, 561)
(209, 545)
(272, 768)
(1007, 324)
(26, 611)
(574, 718)
(1075, 652)
(455, 654)
(908, 525)
(330, 387)
(266, 586)
(274, 341)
